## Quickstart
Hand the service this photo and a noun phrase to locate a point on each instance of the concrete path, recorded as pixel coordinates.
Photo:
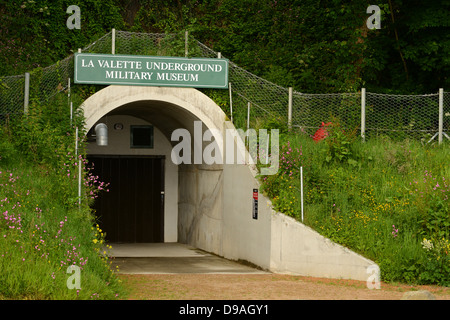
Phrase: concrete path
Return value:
(172, 258)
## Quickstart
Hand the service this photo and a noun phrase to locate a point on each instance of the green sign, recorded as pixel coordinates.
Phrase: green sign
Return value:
(151, 71)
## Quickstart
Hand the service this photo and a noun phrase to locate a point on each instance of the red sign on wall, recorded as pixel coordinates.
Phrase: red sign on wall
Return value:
(255, 204)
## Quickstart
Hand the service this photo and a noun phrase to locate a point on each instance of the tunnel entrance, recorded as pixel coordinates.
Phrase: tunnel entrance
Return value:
(207, 206)
(211, 206)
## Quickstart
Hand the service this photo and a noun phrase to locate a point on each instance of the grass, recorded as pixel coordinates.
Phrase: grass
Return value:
(384, 199)
(41, 237)
(44, 229)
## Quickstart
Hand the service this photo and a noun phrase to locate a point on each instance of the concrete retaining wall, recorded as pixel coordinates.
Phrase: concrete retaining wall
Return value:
(275, 241)
(298, 249)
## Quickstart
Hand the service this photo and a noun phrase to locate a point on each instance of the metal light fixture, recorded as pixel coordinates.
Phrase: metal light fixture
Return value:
(101, 132)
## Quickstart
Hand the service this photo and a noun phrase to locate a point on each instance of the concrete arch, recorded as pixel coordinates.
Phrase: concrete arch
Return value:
(214, 202)
(181, 105)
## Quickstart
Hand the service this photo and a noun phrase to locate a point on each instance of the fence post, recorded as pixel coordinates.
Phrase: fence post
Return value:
(363, 114)
(79, 184)
(71, 113)
(248, 116)
(76, 141)
(68, 88)
(301, 190)
(231, 101)
(290, 109)
(186, 34)
(26, 93)
(113, 41)
(247, 133)
(441, 114)
(69, 101)
(79, 168)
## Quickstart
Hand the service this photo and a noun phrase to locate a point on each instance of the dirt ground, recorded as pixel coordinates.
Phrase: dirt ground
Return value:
(262, 287)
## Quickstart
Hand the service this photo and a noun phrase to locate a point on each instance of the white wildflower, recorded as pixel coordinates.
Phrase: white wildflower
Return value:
(427, 244)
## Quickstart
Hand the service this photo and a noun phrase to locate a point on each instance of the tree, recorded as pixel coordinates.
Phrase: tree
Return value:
(34, 32)
(410, 54)
(316, 46)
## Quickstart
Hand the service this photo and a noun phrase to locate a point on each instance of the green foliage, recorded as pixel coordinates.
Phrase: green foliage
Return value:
(409, 51)
(282, 187)
(431, 198)
(391, 205)
(316, 47)
(339, 142)
(34, 33)
(221, 98)
(436, 264)
(41, 237)
(45, 226)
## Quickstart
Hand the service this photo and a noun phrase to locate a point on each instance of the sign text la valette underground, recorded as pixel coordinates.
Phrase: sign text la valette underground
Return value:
(146, 70)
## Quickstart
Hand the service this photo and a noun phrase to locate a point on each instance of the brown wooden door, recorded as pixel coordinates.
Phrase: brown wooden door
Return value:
(133, 209)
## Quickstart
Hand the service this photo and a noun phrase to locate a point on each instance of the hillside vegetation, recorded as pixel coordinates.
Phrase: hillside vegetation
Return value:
(313, 46)
(44, 228)
(388, 200)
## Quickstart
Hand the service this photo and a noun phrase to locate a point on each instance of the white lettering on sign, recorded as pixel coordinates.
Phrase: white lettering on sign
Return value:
(131, 75)
(90, 64)
(177, 77)
(175, 66)
(120, 64)
(143, 70)
(160, 76)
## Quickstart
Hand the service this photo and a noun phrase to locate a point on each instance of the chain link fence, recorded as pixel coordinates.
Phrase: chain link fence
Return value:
(446, 115)
(310, 110)
(402, 116)
(253, 101)
(12, 95)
